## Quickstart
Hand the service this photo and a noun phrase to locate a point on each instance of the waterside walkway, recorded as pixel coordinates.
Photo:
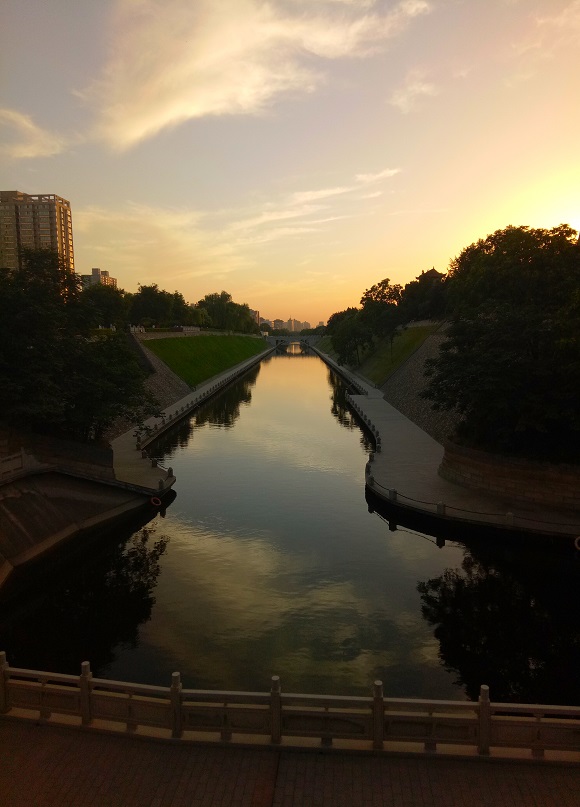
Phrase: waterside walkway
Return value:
(48, 766)
(129, 456)
(405, 466)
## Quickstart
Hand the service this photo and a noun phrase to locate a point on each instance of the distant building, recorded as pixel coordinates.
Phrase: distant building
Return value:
(98, 276)
(279, 324)
(255, 316)
(39, 221)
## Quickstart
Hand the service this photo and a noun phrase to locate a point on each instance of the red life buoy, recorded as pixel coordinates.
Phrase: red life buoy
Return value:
(156, 501)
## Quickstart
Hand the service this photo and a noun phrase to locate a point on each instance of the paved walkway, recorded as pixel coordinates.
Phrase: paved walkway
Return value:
(128, 463)
(409, 463)
(46, 766)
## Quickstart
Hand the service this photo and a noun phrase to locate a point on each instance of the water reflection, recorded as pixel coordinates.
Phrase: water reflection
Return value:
(270, 563)
(506, 618)
(220, 410)
(224, 409)
(342, 412)
(92, 612)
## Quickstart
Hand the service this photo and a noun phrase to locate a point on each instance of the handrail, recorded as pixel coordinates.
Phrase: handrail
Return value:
(371, 722)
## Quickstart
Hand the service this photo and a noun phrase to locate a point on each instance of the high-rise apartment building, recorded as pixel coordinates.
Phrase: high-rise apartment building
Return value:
(97, 276)
(39, 221)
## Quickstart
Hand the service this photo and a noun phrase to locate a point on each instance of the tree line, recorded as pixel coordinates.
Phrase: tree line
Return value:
(152, 307)
(59, 373)
(510, 364)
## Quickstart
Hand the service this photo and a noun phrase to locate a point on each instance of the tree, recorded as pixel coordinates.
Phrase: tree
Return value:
(335, 319)
(227, 315)
(511, 362)
(380, 309)
(424, 297)
(55, 376)
(199, 316)
(350, 336)
(152, 306)
(40, 316)
(104, 383)
(218, 307)
(106, 305)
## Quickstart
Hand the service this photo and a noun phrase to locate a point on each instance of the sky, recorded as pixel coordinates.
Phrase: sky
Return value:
(292, 152)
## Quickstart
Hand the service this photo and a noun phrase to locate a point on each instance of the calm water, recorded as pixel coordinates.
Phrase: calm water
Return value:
(268, 562)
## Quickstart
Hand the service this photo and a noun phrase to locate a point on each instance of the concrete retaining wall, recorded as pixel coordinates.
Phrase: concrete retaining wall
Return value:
(518, 479)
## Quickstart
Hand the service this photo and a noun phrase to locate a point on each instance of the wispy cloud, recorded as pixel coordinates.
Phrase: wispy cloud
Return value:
(544, 38)
(135, 240)
(299, 205)
(176, 60)
(367, 179)
(415, 86)
(324, 193)
(567, 20)
(24, 139)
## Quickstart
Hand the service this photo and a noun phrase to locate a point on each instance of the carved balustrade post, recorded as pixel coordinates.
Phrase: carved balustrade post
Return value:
(85, 688)
(378, 715)
(176, 715)
(484, 720)
(276, 710)
(3, 687)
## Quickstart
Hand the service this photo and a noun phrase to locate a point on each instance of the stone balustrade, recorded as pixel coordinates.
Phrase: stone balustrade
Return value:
(373, 723)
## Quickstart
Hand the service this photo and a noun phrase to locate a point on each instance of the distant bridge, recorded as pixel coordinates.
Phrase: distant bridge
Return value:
(284, 341)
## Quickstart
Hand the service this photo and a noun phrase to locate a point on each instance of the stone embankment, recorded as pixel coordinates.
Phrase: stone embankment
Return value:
(403, 391)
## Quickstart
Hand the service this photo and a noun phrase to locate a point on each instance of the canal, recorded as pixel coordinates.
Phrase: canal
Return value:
(269, 562)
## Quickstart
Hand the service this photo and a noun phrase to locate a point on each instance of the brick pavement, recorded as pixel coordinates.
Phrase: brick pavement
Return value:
(47, 766)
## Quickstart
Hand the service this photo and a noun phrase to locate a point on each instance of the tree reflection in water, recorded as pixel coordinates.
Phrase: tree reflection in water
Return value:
(342, 412)
(509, 618)
(98, 606)
(224, 409)
(220, 410)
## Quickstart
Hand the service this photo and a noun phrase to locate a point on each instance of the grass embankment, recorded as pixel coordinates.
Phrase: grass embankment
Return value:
(197, 358)
(383, 359)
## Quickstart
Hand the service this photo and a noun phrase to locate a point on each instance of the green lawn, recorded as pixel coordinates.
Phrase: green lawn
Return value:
(197, 358)
(379, 363)
(325, 345)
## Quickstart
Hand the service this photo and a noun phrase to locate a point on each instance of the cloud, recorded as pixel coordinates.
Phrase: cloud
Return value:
(137, 242)
(545, 38)
(298, 205)
(568, 20)
(415, 86)
(367, 179)
(26, 140)
(176, 60)
(324, 193)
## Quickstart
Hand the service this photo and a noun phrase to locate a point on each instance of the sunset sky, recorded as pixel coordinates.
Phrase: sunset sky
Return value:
(290, 152)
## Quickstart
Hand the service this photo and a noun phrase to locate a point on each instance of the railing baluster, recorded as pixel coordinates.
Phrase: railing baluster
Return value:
(3, 684)
(85, 690)
(484, 721)
(276, 710)
(378, 715)
(175, 696)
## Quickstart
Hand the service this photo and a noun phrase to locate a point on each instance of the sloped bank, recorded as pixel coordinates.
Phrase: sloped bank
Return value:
(53, 490)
